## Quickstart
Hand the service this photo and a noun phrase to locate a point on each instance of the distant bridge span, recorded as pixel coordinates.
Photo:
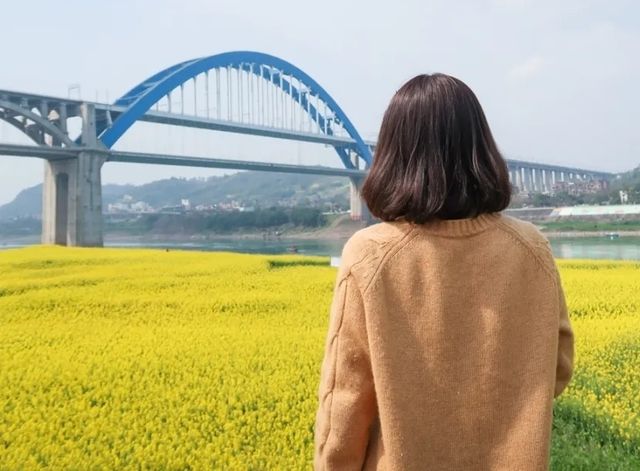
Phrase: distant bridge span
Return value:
(62, 154)
(241, 92)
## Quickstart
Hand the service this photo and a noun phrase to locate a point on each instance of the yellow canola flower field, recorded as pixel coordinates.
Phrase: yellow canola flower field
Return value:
(604, 305)
(118, 358)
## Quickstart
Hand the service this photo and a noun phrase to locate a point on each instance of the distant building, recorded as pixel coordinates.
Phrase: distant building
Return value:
(593, 210)
(232, 205)
(624, 197)
(172, 209)
(580, 187)
(127, 205)
(141, 207)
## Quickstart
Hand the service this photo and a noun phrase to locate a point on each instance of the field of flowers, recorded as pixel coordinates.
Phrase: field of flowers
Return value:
(188, 360)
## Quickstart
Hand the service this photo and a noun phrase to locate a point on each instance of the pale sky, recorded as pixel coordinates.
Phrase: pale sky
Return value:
(557, 78)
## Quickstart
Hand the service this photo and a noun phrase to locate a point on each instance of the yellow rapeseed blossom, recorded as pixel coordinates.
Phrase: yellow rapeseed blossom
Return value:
(117, 358)
(604, 304)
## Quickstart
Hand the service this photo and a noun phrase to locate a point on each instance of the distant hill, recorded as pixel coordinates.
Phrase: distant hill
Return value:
(260, 189)
(630, 183)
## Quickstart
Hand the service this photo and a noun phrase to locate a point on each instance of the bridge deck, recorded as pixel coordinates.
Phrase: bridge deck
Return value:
(57, 153)
(107, 111)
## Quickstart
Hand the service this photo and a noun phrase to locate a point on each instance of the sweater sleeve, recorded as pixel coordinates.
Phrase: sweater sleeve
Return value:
(564, 365)
(347, 403)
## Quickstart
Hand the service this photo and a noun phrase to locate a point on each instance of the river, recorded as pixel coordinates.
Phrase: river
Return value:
(622, 248)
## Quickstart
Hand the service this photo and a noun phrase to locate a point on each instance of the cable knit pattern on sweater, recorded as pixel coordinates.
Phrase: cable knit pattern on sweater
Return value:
(447, 343)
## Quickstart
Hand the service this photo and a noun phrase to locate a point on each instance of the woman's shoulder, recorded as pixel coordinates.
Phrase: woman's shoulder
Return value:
(530, 237)
(366, 248)
(525, 230)
(375, 237)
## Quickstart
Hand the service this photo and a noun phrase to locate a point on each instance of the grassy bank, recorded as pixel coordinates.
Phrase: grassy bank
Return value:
(118, 358)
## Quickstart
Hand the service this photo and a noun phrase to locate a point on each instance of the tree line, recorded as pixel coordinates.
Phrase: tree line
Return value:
(231, 221)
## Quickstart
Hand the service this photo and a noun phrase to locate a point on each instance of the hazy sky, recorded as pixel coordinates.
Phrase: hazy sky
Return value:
(557, 78)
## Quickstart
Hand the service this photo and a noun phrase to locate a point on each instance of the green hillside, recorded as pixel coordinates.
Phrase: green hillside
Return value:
(260, 189)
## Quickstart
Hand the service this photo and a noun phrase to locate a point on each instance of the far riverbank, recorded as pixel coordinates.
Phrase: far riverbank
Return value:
(325, 234)
(574, 234)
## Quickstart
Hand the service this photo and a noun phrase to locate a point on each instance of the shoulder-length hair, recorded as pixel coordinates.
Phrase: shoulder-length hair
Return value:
(435, 157)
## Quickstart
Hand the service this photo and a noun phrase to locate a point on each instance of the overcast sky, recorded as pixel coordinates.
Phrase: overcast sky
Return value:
(557, 78)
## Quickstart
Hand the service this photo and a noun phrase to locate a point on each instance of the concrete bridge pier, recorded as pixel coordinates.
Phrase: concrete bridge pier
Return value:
(532, 180)
(72, 193)
(359, 209)
(519, 182)
(72, 201)
(521, 179)
(59, 176)
(89, 226)
(513, 177)
(537, 180)
(526, 180)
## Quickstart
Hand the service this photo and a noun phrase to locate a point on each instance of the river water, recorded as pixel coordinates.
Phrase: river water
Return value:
(622, 248)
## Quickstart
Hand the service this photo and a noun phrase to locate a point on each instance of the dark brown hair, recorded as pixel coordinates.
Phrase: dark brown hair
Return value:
(435, 157)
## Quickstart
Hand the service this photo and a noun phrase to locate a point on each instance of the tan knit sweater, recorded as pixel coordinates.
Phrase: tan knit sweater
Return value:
(447, 344)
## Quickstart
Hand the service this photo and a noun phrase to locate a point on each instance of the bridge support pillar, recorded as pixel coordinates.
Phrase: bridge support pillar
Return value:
(72, 201)
(359, 210)
(88, 194)
(72, 193)
(534, 180)
(531, 184)
(59, 177)
(525, 180)
(537, 180)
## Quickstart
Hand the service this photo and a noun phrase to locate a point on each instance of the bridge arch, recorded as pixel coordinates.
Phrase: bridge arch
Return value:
(9, 112)
(279, 72)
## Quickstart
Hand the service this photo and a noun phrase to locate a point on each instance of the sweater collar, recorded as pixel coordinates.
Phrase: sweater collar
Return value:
(455, 227)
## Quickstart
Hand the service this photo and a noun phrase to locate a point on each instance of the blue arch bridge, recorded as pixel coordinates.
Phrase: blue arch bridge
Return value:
(243, 92)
